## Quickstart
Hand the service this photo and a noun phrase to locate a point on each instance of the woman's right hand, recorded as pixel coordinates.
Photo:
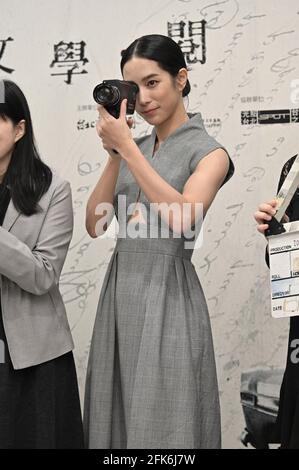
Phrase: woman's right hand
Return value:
(114, 155)
(265, 213)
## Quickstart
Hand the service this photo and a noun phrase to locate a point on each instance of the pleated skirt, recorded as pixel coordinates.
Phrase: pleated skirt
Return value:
(39, 405)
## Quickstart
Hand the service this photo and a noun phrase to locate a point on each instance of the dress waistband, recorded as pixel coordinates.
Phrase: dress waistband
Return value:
(172, 247)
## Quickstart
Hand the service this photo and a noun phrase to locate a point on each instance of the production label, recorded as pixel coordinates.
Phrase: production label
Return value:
(284, 274)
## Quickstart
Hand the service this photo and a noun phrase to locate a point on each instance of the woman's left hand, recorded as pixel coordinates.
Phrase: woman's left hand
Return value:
(115, 133)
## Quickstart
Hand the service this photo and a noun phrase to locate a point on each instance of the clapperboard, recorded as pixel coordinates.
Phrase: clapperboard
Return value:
(283, 242)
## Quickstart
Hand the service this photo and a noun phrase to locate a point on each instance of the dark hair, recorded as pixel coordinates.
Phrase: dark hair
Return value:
(27, 177)
(162, 49)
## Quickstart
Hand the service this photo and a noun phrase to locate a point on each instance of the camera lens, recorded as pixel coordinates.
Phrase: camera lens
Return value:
(106, 94)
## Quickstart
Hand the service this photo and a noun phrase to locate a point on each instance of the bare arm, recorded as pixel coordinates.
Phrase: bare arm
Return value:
(102, 193)
(201, 186)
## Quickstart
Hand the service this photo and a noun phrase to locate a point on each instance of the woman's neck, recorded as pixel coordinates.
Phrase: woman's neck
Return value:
(168, 127)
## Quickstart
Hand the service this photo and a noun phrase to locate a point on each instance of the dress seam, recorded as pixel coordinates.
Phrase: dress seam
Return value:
(155, 252)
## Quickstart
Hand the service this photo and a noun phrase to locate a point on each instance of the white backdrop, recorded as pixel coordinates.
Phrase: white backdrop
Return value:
(252, 57)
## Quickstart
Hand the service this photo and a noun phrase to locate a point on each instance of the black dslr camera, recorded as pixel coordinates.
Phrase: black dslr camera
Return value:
(110, 94)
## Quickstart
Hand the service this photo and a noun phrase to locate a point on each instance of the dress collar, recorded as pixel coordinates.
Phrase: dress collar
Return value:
(195, 122)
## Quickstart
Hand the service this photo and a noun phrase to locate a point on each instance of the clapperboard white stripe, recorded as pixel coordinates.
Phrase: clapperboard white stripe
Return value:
(287, 190)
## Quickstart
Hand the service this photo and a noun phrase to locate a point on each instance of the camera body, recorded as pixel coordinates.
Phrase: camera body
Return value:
(110, 94)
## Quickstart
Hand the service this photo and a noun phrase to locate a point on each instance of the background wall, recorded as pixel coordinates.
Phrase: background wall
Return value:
(243, 57)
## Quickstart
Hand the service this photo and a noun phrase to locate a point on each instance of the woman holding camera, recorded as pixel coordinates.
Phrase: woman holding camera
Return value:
(39, 399)
(151, 378)
(287, 423)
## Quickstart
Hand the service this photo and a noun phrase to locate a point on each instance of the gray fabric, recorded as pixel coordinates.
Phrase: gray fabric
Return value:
(151, 377)
(32, 254)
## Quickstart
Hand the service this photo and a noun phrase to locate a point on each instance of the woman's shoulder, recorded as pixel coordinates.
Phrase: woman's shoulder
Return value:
(194, 134)
(58, 186)
(57, 179)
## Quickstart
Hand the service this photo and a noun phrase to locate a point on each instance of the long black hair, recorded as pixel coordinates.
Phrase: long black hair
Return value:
(26, 177)
(162, 49)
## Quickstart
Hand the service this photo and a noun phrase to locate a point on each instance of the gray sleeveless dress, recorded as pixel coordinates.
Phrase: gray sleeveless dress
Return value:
(151, 377)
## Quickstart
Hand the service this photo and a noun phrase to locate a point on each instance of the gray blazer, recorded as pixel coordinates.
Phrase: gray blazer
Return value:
(32, 253)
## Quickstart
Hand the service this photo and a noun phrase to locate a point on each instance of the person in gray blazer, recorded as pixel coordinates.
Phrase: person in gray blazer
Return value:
(39, 397)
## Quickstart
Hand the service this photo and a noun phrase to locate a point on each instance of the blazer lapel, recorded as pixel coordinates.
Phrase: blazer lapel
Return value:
(11, 216)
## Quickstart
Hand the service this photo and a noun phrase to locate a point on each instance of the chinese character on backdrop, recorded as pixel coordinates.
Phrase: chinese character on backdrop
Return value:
(294, 115)
(3, 44)
(249, 117)
(192, 39)
(70, 56)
